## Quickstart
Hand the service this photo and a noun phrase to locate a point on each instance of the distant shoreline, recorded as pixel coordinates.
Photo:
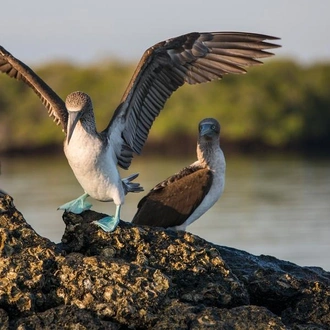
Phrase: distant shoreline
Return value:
(184, 146)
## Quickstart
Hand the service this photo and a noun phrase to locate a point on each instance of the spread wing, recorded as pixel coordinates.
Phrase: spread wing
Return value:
(14, 68)
(192, 58)
(171, 202)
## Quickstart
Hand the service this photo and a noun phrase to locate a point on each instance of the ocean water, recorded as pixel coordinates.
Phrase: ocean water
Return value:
(273, 205)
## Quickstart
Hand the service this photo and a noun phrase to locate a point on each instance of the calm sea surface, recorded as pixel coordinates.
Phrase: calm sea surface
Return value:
(273, 205)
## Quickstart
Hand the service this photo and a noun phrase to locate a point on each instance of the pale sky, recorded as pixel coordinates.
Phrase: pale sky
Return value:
(39, 31)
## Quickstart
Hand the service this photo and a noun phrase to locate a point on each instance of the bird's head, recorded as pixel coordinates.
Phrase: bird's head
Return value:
(209, 128)
(208, 140)
(78, 105)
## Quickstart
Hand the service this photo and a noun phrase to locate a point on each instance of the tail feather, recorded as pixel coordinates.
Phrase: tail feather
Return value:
(130, 186)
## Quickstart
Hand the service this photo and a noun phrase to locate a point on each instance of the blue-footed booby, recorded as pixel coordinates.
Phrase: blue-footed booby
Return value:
(182, 198)
(93, 156)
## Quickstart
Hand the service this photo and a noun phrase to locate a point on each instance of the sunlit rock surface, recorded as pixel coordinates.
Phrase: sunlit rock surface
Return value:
(144, 278)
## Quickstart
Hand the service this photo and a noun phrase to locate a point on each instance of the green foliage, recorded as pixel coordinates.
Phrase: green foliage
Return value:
(278, 104)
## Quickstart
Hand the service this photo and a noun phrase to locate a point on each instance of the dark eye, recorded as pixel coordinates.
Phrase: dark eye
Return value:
(213, 127)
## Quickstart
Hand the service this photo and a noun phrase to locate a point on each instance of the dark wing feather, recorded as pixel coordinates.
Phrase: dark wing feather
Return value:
(172, 201)
(14, 68)
(192, 58)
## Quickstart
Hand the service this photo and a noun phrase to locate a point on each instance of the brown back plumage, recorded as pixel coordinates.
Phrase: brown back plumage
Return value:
(174, 199)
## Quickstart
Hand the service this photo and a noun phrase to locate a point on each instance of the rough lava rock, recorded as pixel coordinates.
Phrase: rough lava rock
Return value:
(147, 278)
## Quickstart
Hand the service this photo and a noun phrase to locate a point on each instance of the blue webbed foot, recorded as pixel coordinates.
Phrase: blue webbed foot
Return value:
(109, 223)
(77, 206)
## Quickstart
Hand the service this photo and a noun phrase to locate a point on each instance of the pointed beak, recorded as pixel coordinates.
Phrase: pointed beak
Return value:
(206, 129)
(74, 117)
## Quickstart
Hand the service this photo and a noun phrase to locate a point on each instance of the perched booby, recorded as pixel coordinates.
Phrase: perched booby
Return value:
(93, 156)
(182, 198)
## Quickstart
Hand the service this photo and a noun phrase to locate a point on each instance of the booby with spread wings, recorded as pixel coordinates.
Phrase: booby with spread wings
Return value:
(184, 197)
(93, 156)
